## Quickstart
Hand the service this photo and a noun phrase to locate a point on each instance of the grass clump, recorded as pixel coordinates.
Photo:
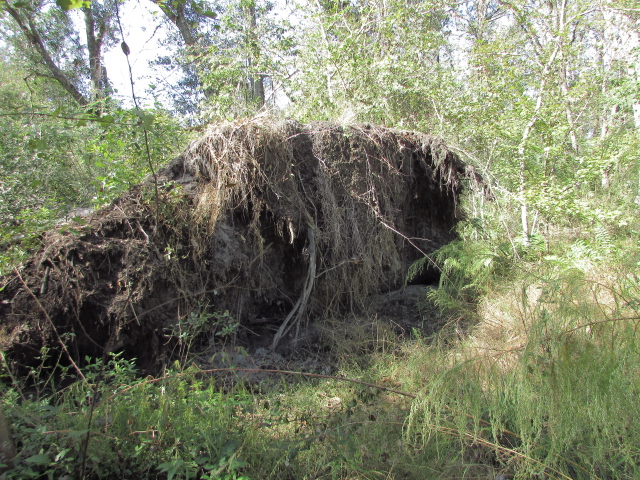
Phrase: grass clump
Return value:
(545, 384)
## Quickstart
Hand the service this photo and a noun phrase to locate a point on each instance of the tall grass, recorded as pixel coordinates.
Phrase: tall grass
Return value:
(536, 375)
(546, 384)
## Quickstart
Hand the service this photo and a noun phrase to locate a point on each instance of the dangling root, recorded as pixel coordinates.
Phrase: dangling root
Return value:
(301, 305)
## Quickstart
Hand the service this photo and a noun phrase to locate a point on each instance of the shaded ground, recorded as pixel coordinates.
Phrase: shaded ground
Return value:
(256, 232)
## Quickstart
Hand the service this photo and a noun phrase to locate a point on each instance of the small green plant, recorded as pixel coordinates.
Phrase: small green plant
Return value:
(188, 330)
(224, 325)
(467, 271)
(179, 425)
(200, 324)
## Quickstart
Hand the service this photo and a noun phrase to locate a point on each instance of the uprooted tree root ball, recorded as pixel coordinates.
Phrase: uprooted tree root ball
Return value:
(271, 223)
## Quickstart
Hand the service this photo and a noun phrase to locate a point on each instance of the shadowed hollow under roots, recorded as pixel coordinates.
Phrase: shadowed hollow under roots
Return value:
(274, 222)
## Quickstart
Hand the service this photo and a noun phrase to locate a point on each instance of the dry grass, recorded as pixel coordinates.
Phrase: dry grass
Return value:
(275, 222)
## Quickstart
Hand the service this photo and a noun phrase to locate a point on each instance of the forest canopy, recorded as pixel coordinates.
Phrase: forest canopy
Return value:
(542, 96)
(529, 370)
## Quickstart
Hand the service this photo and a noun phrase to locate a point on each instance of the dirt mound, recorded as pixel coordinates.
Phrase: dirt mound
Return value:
(257, 228)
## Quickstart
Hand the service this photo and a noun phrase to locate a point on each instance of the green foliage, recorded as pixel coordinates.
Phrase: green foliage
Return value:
(561, 401)
(557, 398)
(369, 62)
(120, 154)
(70, 4)
(540, 98)
(467, 271)
(544, 382)
(528, 97)
(199, 326)
(55, 158)
(239, 66)
(180, 425)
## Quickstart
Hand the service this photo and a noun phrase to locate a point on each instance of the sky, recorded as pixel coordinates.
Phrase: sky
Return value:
(144, 31)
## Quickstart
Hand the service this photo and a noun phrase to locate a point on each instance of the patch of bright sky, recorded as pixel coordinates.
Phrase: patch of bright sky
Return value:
(145, 32)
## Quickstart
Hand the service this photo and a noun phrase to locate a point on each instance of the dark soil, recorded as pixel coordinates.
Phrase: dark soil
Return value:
(258, 232)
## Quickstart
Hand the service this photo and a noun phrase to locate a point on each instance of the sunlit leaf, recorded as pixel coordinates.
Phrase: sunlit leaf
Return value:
(147, 120)
(106, 120)
(37, 144)
(70, 4)
(39, 459)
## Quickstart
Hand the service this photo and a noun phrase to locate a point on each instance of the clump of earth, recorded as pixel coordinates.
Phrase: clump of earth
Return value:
(249, 245)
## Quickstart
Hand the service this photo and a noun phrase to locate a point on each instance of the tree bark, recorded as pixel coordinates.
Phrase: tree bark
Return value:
(526, 132)
(94, 45)
(257, 82)
(30, 31)
(568, 110)
(177, 17)
(174, 11)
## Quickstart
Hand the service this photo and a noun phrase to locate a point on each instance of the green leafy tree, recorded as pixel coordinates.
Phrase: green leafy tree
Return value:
(55, 157)
(244, 60)
(55, 49)
(374, 61)
(191, 26)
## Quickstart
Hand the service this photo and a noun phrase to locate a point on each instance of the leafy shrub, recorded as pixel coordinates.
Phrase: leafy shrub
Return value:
(180, 425)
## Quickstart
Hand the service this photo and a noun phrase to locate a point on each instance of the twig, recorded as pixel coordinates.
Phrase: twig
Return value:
(14, 382)
(142, 231)
(413, 244)
(42, 114)
(125, 49)
(487, 443)
(94, 397)
(599, 322)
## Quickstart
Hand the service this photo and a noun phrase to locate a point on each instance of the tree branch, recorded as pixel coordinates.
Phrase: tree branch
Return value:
(31, 33)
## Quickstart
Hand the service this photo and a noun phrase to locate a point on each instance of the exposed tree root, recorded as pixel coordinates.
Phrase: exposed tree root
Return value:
(274, 223)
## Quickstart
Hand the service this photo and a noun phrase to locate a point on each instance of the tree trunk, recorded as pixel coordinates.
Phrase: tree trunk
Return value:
(30, 31)
(188, 35)
(257, 82)
(174, 11)
(258, 91)
(568, 110)
(94, 45)
(526, 132)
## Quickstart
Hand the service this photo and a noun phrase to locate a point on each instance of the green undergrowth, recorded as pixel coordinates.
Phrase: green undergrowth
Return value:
(535, 376)
(543, 380)
(192, 424)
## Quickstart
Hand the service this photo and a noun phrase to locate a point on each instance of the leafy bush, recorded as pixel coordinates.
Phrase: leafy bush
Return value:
(179, 425)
